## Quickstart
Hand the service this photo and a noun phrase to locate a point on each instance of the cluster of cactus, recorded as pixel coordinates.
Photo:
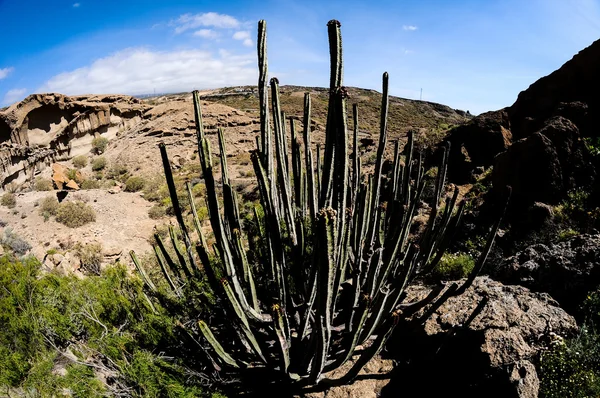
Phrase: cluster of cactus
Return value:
(321, 277)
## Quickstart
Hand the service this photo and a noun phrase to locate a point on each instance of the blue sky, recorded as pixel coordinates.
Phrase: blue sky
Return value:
(473, 55)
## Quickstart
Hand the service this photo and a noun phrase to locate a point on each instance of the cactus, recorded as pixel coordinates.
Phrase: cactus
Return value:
(332, 253)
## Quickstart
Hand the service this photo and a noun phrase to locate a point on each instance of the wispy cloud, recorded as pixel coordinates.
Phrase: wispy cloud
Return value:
(409, 27)
(209, 19)
(206, 34)
(141, 70)
(76, 5)
(5, 72)
(244, 36)
(14, 95)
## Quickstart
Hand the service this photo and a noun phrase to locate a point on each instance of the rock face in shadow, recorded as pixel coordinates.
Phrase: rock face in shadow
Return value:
(563, 107)
(567, 270)
(44, 128)
(571, 92)
(493, 355)
(476, 143)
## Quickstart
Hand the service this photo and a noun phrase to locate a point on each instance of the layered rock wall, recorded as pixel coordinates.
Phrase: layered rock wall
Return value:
(45, 128)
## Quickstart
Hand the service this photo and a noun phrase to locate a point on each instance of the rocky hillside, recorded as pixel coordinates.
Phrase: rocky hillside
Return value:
(45, 129)
(544, 144)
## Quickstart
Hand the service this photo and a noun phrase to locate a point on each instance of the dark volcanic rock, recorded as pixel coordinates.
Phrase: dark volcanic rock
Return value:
(476, 143)
(571, 91)
(544, 166)
(531, 167)
(492, 356)
(567, 270)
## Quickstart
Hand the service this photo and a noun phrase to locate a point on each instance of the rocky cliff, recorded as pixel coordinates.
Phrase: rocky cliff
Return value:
(47, 127)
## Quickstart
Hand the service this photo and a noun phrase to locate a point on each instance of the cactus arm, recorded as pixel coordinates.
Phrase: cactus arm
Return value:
(488, 246)
(138, 265)
(212, 340)
(281, 154)
(379, 163)
(282, 337)
(163, 268)
(312, 193)
(326, 277)
(386, 330)
(197, 224)
(263, 96)
(176, 270)
(175, 203)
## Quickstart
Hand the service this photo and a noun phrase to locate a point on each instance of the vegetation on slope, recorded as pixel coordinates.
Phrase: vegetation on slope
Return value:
(91, 337)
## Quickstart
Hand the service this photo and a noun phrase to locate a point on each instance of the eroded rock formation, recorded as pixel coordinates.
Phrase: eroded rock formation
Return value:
(44, 128)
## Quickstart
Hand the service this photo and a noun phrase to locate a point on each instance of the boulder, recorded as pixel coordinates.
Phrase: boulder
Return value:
(490, 355)
(476, 143)
(60, 179)
(544, 166)
(567, 270)
(532, 168)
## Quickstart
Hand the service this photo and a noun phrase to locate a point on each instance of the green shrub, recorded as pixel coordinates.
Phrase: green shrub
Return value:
(43, 184)
(80, 161)
(75, 214)
(453, 266)
(9, 200)
(572, 367)
(99, 145)
(99, 163)
(156, 212)
(118, 172)
(103, 317)
(565, 234)
(48, 207)
(75, 175)
(134, 184)
(155, 189)
(90, 184)
(90, 257)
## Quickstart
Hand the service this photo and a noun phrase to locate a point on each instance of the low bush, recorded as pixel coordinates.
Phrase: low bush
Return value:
(156, 212)
(155, 189)
(90, 257)
(118, 172)
(134, 184)
(48, 207)
(99, 145)
(80, 161)
(43, 184)
(571, 367)
(14, 242)
(90, 184)
(9, 200)
(75, 214)
(99, 163)
(453, 266)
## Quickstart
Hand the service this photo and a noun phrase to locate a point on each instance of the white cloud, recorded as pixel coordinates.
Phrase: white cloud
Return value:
(209, 19)
(5, 72)
(409, 27)
(206, 34)
(243, 35)
(141, 71)
(76, 5)
(14, 95)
